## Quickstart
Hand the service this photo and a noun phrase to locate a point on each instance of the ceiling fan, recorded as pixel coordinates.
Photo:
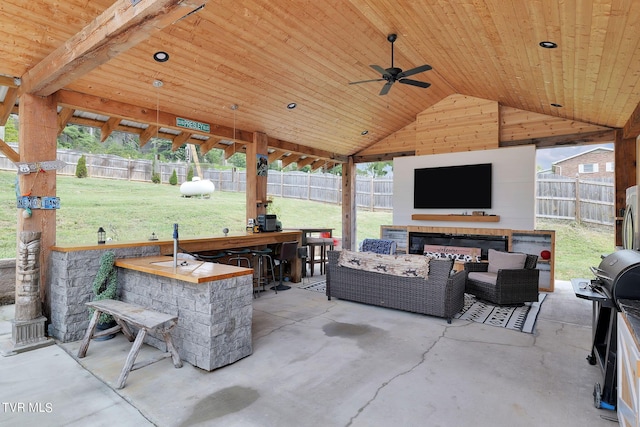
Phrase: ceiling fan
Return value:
(393, 74)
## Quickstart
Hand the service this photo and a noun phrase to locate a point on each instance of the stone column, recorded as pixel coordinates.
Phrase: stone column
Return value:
(27, 332)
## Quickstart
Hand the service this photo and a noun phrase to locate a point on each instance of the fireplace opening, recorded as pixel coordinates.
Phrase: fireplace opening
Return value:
(418, 240)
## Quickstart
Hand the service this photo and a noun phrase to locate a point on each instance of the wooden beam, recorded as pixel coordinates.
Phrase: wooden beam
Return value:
(8, 81)
(108, 127)
(64, 116)
(7, 106)
(11, 154)
(207, 145)
(599, 137)
(291, 158)
(631, 129)
(229, 151)
(305, 162)
(94, 104)
(119, 28)
(146, 134)
(381, 157)
(276, 155)
(180, 140)
(304, 150)
(318, 164)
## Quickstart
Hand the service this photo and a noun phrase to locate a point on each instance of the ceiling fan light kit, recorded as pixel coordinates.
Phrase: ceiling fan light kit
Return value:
(395, 74)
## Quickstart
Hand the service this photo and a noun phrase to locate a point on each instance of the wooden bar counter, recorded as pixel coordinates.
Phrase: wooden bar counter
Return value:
(213, 302)
(187, 270)
(205, 244)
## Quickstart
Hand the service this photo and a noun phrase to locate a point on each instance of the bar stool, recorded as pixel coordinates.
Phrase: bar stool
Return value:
(288, 253)
(239, 255)
(318, 242)
(263, 260)
(211, 258)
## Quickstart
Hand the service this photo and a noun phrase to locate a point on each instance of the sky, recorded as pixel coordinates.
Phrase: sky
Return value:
(544, 157)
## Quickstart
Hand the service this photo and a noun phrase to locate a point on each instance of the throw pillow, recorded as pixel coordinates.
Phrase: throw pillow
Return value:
(453, 256)
(505, 261)
(397, 265)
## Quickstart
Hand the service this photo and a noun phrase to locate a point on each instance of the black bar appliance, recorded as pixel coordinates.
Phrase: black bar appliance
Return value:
(617, 277)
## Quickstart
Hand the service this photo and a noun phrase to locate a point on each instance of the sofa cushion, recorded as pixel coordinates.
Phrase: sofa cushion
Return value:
(484, 277)
(398, 265)
(505, 261)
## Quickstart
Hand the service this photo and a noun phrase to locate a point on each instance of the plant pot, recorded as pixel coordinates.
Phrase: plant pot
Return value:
(103, 327)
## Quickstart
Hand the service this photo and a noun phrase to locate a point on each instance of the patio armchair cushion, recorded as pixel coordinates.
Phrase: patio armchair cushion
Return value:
(504, 260)
(507, 285)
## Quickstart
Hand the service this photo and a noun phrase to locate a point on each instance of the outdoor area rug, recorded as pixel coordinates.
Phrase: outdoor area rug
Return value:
(519, 318)
(316, 286)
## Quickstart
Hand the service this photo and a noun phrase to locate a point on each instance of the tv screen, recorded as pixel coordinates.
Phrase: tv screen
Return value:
(453, 187)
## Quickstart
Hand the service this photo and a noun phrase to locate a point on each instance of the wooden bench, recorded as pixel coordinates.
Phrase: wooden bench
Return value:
(143, 319)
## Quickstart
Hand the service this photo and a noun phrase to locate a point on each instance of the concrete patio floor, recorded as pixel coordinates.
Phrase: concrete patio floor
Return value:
(327, 363)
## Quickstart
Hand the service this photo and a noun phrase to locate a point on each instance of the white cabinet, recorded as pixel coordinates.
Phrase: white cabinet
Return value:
(628, 358)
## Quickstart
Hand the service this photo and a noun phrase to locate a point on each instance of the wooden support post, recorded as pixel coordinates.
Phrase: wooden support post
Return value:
(349, 230)
(256, 185)
(37, 136)
(625, 152)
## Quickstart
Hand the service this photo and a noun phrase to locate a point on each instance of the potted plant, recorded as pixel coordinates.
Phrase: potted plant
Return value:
(105, 286)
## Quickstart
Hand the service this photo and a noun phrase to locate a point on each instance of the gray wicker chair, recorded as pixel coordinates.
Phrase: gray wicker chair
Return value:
(442, 294)
(512, 286)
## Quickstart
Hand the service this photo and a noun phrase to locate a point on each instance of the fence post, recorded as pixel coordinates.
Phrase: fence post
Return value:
(578, 214)
(371, 201)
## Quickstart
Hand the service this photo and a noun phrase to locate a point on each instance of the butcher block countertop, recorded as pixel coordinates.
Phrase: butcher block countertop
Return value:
(187, 270)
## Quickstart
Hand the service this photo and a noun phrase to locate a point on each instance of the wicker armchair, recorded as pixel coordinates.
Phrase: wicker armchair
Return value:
(511, 287)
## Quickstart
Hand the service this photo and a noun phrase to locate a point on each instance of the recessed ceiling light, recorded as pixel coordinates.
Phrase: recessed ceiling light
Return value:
(556, 105)
(161, 56)
(548, 45)
(291, 105)
(364, 132)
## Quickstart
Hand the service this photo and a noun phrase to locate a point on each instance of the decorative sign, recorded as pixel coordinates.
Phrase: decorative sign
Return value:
(32, 202)
(193, 125)
(27, 168)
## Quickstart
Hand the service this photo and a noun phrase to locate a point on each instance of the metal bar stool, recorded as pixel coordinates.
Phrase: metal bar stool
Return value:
(211, 258)
(263, 260)
(239, 255)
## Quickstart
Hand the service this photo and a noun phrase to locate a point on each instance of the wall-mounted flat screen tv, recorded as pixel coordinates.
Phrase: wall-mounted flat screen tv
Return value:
(453, 187)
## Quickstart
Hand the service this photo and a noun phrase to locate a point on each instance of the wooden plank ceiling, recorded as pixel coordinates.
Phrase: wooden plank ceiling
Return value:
(97, 56)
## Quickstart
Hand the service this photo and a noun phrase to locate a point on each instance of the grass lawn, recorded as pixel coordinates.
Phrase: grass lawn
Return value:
(131, 211)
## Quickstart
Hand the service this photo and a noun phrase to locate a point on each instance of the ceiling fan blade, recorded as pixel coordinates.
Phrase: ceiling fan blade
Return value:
(416, 70)
(415, 83)
(379, 69)
(366, 81)
(385, 88)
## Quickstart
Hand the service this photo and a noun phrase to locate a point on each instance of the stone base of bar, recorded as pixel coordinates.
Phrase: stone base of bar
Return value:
(26, 335)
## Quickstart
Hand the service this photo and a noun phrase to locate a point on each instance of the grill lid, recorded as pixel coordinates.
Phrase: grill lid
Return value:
(619, 272)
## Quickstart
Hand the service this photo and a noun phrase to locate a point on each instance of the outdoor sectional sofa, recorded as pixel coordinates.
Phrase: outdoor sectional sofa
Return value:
(440, 294)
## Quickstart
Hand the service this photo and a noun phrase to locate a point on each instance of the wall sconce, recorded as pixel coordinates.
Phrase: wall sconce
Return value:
(101, 236)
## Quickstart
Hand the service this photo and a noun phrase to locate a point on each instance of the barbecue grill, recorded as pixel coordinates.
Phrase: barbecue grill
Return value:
(617, 277)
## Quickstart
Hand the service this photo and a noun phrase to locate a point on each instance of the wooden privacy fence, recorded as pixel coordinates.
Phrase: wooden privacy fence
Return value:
(371, 193)
(557, 197)
(579, 199)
